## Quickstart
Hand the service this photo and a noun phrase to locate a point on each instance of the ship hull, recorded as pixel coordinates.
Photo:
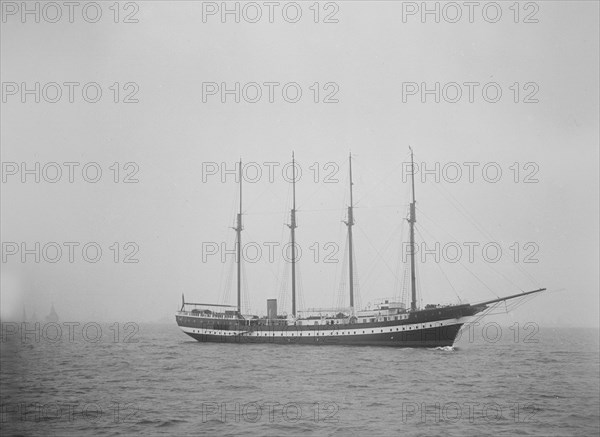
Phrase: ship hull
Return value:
(440, 336)
(437, 327)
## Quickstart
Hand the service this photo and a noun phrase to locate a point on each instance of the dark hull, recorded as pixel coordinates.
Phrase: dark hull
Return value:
(429, 337)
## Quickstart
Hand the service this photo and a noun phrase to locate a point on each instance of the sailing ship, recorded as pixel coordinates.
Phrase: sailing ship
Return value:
(52, 316)
(390, 323)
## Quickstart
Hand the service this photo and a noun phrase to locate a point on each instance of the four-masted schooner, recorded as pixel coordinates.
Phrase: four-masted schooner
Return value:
(389, 324)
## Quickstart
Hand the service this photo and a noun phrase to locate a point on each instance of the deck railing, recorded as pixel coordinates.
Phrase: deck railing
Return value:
(211, 315)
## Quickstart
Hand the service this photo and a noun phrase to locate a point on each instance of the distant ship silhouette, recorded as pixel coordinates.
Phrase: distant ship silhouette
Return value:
(34, 317)
(52, 317)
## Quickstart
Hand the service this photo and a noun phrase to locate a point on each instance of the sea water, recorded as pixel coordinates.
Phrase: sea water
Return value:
(155, 380)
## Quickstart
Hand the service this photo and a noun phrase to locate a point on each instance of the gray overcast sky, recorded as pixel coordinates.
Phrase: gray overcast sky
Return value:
(367, 55)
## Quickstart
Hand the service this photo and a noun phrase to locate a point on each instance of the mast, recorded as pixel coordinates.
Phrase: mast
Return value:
(411, 220)
(350, 223)
(238, 230)
(293, 227)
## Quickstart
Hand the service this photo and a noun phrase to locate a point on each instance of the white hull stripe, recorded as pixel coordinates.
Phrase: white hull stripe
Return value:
(293, 332)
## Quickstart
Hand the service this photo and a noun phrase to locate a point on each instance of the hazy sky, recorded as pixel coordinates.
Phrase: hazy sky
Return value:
(364, 61)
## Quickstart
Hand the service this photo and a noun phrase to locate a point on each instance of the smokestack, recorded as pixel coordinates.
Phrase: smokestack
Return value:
(271, 309)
